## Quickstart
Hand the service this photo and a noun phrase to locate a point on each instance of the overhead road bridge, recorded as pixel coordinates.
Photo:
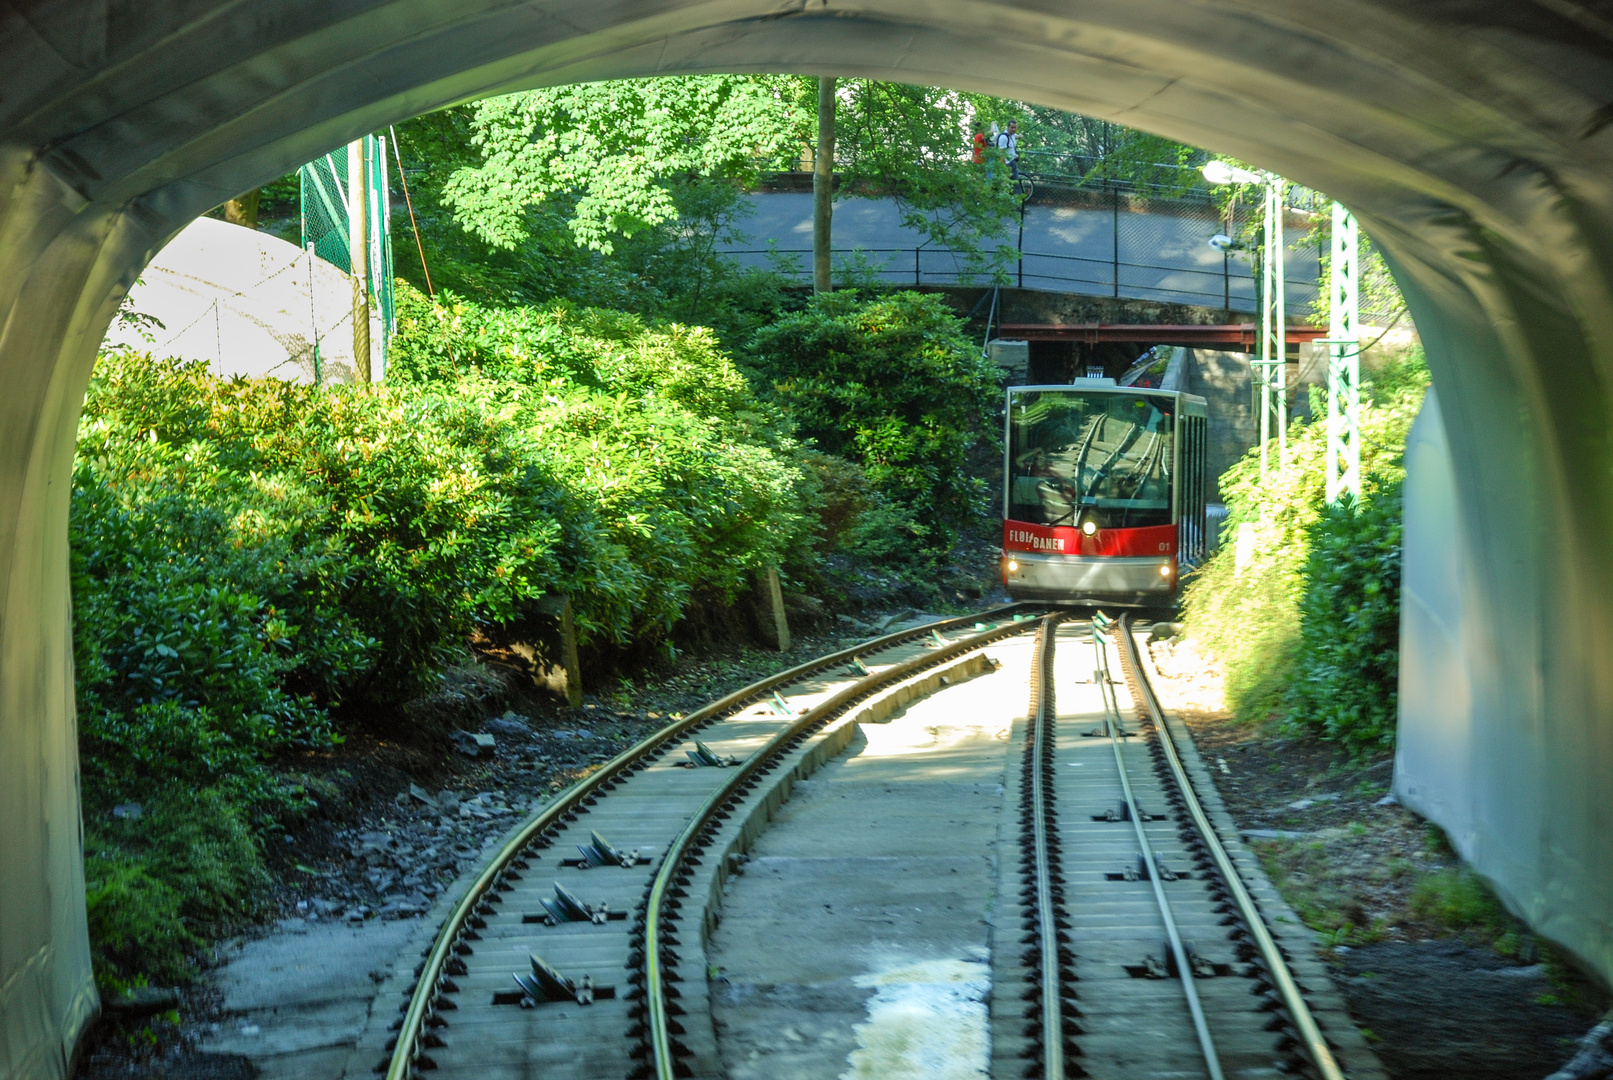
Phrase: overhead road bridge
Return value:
(1097, 241)
(1473, 140)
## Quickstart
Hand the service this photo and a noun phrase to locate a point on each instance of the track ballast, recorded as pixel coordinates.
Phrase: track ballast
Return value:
(1132, 934)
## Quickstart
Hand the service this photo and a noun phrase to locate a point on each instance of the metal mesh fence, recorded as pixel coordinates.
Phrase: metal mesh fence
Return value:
(325, 213)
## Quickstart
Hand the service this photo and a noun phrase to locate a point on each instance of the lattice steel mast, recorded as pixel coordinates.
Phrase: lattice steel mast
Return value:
(1271, 370)
(1344, 360)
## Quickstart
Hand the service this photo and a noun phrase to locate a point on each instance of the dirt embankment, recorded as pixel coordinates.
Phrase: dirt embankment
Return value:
(1441, 980)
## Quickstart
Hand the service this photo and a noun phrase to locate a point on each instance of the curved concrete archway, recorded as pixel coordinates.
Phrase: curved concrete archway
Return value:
(1474, 139)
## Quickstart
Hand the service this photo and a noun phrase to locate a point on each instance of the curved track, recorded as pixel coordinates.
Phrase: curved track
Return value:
(1127, 940)
(653, 803)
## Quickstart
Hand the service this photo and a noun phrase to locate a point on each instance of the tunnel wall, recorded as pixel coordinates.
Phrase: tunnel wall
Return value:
(1473, 140)
(1471, 754)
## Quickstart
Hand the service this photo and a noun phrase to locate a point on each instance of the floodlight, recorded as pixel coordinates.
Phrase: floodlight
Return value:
(1224, 243)
(1219, 172)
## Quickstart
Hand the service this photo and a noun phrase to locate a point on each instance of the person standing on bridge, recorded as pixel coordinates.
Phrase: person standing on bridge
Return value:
(1008, 143)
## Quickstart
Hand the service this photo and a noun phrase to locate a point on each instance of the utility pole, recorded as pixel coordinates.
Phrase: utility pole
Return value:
(1272, 367)
(823, 186)
(1344, 359)
(1270, 371)
(358, 251)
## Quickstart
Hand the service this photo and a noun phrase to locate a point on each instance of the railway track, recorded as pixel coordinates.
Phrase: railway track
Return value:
(1131, 937)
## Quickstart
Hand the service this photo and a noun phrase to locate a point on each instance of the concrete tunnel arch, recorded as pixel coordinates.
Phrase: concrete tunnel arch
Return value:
(1473, 138)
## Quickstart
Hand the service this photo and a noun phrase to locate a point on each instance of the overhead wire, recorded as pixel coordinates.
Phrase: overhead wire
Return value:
(409, 202)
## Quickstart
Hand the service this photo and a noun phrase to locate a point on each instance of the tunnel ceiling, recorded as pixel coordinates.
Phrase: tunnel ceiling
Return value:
(1406, 110)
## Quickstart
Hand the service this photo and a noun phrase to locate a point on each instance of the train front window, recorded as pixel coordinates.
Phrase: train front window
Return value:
(1077, 456)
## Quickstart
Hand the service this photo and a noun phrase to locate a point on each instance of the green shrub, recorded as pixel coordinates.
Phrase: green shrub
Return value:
(1346, 672)
(1263, 622)
(251, 556)
(890, 383)
(155, 886)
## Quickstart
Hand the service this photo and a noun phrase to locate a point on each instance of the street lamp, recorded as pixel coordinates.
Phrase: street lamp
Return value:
(1272, 364)
(1221, 172)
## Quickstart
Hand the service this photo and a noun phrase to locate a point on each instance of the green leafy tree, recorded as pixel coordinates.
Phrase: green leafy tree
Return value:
(891, 384)
(617, 147)
(548, 265)
(1066, 145)
(625, 159)
(913, 143)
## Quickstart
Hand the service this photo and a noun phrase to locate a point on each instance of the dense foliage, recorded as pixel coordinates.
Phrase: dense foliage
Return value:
(618, 147)
(1310, 639)
(891, 384)
(250, 555)
(1347, 664)
(617, 193)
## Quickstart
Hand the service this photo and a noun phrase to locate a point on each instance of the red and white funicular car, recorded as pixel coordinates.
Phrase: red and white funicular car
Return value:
(1104, 491)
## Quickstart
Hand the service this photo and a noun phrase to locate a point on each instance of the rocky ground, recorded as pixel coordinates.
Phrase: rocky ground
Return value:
(398, 822)
(1437, 975)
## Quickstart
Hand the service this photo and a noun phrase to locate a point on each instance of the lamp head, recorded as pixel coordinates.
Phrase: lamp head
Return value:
(1219, 172)
(1224, 243)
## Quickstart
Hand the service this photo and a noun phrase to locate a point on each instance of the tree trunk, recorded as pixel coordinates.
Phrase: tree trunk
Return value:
(823, 186)
(243, 209)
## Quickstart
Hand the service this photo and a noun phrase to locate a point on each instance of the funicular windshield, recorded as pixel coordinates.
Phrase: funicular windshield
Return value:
(1075, 456)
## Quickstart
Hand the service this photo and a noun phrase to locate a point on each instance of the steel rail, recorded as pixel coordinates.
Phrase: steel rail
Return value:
(1151, 867)
(1184, 969)
(1042, 721)
(1287, 988)
(407, 1049)
(663, 1062)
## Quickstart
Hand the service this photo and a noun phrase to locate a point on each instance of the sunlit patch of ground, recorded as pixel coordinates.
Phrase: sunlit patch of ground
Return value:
(926, 1021)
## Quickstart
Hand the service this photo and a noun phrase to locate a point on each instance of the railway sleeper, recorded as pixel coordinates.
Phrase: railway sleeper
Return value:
(747, 813)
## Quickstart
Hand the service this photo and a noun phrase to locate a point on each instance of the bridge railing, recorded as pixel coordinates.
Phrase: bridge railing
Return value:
(1228, 286)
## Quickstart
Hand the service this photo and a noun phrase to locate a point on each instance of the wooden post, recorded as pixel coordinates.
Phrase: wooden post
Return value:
(358, 252)
(558, 606)
(771, 623)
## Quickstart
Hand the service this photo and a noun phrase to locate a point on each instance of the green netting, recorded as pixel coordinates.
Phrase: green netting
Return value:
(324, 225)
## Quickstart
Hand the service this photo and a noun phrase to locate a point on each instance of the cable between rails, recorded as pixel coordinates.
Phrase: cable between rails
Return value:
(1184, 968)
(1043, 716)
(1309, 1033)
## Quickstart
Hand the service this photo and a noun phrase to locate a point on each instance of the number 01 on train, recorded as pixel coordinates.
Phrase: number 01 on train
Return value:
(1104, 493)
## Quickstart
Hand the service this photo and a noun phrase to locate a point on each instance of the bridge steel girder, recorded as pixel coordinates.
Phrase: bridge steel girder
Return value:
(1473, 140)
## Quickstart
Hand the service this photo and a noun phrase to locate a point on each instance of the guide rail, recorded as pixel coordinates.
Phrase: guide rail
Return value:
(1310, 1035)
(418, 1030)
